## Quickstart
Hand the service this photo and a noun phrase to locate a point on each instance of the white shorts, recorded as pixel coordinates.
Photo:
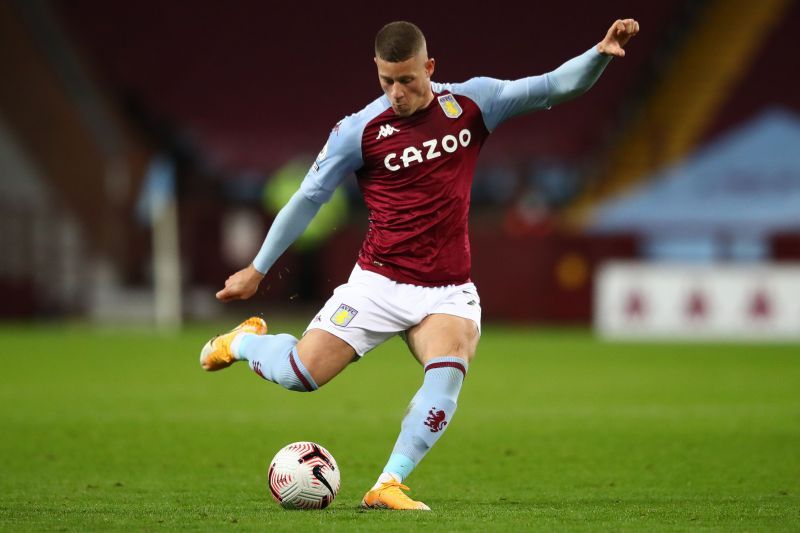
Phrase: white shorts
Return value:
(370, 308)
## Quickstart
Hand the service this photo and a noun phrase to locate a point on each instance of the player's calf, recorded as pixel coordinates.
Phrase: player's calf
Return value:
(324, 355)
(302, 366)
(275, 358)
(429, 414)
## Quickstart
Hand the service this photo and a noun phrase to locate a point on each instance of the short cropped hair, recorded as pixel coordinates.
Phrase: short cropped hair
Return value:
(398, 41)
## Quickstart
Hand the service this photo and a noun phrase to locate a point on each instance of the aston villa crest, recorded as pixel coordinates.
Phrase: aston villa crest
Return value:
(450, 106)
(343, 315)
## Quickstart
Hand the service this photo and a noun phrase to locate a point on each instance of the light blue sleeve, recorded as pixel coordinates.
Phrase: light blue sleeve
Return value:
(577, 75)
(340, 157)
(500, 100)
(290, 222)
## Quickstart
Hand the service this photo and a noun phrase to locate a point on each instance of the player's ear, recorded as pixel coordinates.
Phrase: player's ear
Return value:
(430, 65)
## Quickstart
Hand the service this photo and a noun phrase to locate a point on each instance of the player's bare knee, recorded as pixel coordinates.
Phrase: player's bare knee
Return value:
(469, 342)
(470, 355)
(467, 354)
(324, 355)
(324, 362)
(319, 375)
(462, 348)
(313, 365)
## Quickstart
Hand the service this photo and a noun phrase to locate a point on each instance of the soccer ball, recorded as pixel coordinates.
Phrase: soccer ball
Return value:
(303, 475)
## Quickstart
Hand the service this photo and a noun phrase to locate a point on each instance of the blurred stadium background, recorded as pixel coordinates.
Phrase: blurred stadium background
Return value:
(146, 146)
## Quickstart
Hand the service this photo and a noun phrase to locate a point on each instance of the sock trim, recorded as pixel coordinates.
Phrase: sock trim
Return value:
(299, 374)
(450, 364)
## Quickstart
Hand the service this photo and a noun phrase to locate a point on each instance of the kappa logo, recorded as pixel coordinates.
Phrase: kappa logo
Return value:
(450, 106)
(386, 130)
(320, 158)
(344, 315)
(472, 300)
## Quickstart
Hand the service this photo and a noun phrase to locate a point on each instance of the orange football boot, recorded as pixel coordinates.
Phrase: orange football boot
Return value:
(390, 495)
(216, 353)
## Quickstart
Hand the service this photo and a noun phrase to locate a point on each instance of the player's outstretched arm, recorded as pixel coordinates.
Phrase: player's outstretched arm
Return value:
(340, 156)
(289, 224)
(500, 100)
(577, 75)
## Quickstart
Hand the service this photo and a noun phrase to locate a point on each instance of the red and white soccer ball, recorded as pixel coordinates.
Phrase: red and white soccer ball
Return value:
(304, 475)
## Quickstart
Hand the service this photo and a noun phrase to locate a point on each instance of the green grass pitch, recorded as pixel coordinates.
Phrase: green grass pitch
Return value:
(555, 431)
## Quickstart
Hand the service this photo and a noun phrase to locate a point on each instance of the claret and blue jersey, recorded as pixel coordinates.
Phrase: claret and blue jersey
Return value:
(415, 172)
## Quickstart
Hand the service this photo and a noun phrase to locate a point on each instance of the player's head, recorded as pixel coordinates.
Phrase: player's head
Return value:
(404, 68)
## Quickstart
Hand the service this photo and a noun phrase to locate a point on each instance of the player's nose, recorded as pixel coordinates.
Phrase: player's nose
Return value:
(396, 93)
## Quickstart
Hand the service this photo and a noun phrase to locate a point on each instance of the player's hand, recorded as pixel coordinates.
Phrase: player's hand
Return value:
(241, 285)
(617, 37)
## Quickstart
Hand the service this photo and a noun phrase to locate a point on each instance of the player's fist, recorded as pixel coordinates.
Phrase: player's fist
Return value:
(617, 37)
(241, 285)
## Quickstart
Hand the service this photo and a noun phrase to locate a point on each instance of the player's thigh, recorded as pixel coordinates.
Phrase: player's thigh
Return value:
(441, 335)
(324, 355)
